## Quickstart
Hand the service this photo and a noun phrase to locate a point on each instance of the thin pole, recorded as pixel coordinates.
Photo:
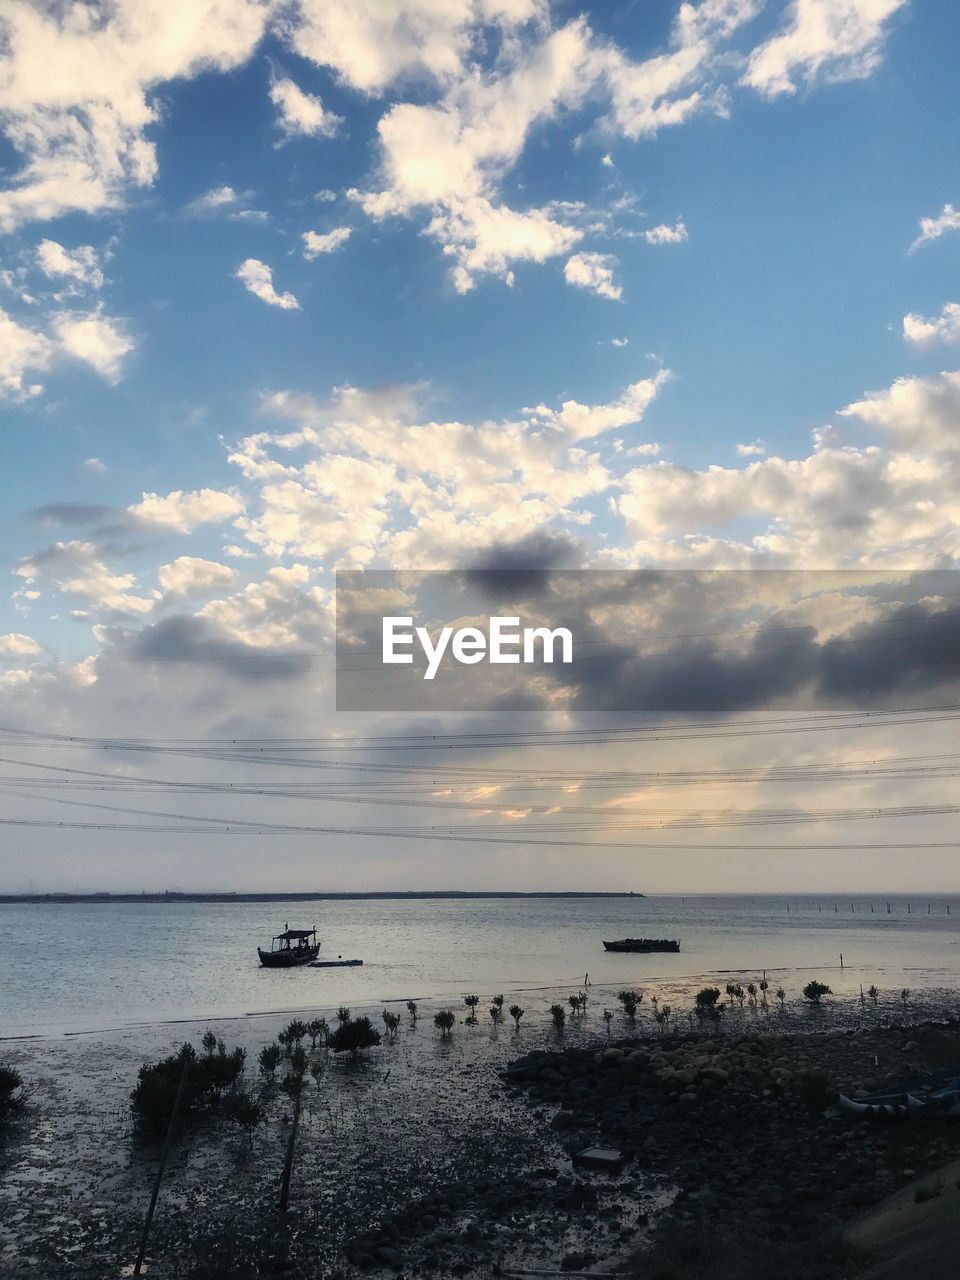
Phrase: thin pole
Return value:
(288, 1162)
(163, 1161)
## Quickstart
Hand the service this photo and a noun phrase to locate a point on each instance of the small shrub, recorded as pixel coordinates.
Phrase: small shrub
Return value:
(516, 1013)
(707, 997)
(630, 1000)
(353, 1036)
(292, 1083)
(270, 1056)
(317, 1030)
(608, 1018)
(559, 1016)
(208, 1077)
(498, 1001)
(412, 1009)
(735, 992)
(496, 1014)
(873, 993)
(343, 1015)
(245, 1112)
(391, 1021)
(814, 991)
(444, 1021)
(13, 1094)
(471, 1002)
(781, 995)
(209, 1042)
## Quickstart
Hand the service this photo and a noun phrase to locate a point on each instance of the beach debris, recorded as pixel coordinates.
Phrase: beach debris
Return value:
(609, 1159)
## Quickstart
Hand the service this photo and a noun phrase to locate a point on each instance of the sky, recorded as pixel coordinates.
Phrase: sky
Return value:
(431, 284)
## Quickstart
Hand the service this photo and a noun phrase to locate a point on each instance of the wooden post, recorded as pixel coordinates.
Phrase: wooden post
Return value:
(288, 1162)
(163, 1161)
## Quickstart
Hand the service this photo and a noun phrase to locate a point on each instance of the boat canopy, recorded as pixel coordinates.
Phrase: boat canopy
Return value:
(291, 935)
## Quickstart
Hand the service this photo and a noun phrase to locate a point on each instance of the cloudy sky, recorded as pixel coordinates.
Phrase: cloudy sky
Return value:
(287, 287)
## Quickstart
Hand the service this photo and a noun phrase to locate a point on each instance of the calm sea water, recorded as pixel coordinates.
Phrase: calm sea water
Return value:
(89, 966)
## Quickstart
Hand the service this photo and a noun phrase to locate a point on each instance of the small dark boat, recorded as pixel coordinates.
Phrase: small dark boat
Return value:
(643, 944)
(289, 948)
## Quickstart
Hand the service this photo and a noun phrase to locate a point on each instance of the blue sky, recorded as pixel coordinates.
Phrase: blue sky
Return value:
(596, 271)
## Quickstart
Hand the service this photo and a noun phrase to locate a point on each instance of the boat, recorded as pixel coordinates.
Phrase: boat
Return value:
(290, 948)
(643, 944)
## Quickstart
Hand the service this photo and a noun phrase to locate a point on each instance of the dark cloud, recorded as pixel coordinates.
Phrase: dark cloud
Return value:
(196, 640)
(516, 570)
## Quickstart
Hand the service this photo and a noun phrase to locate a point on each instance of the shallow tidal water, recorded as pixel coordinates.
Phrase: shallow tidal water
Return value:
(114, 965)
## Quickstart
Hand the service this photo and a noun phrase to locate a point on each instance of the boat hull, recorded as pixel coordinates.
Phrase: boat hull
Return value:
(293, 958)
(643, 945)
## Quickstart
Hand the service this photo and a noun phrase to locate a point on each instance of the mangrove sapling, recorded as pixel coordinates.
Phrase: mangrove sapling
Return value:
(781, 995)
(412, 1010)
(317, 1068)
(815, 990)
(296, 1031)
(444, 1021)
(873, 993)
(391, 1021)
(663, 1017)
(559, 1016)
(905, 996)
(608, 1018)
(206, 1080)
(13, 1093)
(353, 1036)
(245, 1112)
(471, 1002)
(735, 992)
(630, 1000)
(496, 1014)
(764, 987)
(707, 997)
(209, 1042)
(318, 1030)
(752, 993)
(270, 1056)
(343, 1015)
(498, 1001)
(516, 1013)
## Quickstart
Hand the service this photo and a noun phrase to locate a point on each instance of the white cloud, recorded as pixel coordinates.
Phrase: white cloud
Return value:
(380, 479)
(16, 645)
(80, 264)
(922, 413)
(301, 114)
(945, 327)
(74, 93)
(258, 278)
(95, 339)
(185, 511)
(191, 578)
(22, 350)
(665, 234)
(756, 449)
(593, 271)
(94, 465)
(316, 242)
(214, 201)
(619, 342)
(829, 40)
(78, 569)
(948, 219)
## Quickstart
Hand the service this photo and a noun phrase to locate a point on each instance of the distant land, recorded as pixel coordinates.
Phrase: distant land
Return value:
(172, 895)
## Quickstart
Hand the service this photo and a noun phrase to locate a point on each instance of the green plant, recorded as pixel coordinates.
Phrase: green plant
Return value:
(245, 1112)
(412, 1009)
(343, 1015)
(209, 1042)
(873, 993)
(735, 992)
(814, 991)
(13, 1094)
(444, 1021)
(559, 1016)
(905, 996)
(292, 1083)
(516, 1013)
(471, 1002)
(781, 995)
(630, 1000)
(317, 1068)
(353, 1036)
(207, 1079)
(498, 1001)
(391, 1021)
(317, 1030)
(496, 1014)
(608, 1018)
(270, 1056)
(707, 997)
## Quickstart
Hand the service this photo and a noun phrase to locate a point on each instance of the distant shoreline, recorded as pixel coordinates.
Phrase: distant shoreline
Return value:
(322, 896)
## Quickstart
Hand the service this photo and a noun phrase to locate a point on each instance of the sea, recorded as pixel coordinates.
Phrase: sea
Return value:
(76, 967)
